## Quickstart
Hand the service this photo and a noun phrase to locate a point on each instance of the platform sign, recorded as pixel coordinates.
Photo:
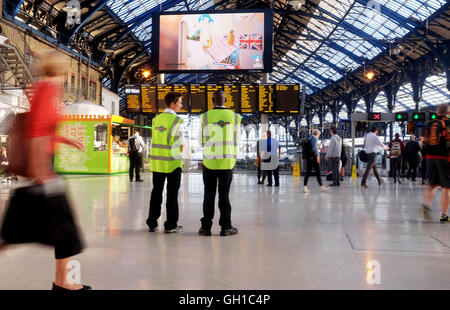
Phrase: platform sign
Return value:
(210, 89)
(265, 98)
(249, 98)
(287, 98)
(133, 98)
(411, 129)
(198, 98)
(184, 91)
(162, 92)
(232, 97)
(149, 99)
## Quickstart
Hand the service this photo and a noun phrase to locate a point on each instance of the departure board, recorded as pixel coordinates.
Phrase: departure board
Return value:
(232, 97)
(287, 98)
(149, 99)
(265, 95)
(133, 97)
(249, 98)
(184, 91)
(210, 89)
(162, 92)
(198, 98)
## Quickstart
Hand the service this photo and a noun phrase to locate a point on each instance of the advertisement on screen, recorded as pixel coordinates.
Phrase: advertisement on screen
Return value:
(214, 41)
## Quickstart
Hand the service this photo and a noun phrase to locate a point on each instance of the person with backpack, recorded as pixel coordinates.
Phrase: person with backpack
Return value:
(412, 149)
(396, 150)
(437, 139)
(310, 153)
(136, 147)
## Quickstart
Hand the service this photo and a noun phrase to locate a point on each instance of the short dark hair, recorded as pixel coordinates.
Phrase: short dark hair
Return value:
(373, 128)
(334, 130)
(397, 135)
(218, 97)
(171, 97)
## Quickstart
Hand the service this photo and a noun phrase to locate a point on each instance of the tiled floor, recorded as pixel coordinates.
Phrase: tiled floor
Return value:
(287, 239)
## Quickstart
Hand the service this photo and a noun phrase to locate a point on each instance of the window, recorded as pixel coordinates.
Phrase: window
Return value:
(101, 137)
(72, 84)
(83, 87)
(93, 90)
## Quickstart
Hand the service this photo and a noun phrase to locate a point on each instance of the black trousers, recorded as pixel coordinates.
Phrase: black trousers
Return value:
(135, 165)
(423, 169)
(261, 174)
(276, 174)
(211, 180)
(395, 168)
(173, 185)
(310, 164)
(412, 169)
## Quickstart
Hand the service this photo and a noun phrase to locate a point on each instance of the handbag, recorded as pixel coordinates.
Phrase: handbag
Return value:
(363, 154)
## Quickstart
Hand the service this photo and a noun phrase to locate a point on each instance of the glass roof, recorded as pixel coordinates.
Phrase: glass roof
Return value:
(351, 31)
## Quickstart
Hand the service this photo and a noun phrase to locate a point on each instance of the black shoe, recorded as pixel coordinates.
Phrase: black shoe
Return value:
(174, 230)
(333, 184)
(229, 231)
(153, 229)
(444, 218)
(269, 185)
(59, 288)
(204, 232)
(140, 180)
(131, 180)
(259, 182)
(277, 185)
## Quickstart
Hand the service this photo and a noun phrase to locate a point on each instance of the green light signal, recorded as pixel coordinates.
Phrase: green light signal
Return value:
(416, 116)
(399, 116)
(433, 116)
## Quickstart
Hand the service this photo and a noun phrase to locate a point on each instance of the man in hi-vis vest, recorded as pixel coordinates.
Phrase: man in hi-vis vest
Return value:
(220, 136)
(166, 162)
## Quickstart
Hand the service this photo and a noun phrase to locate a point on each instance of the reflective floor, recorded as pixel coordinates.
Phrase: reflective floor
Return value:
(287, 239)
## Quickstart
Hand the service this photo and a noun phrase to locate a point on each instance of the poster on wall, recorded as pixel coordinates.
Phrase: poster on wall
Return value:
(71, 160)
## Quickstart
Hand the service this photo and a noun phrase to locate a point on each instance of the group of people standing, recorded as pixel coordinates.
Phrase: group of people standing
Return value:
(219, 137)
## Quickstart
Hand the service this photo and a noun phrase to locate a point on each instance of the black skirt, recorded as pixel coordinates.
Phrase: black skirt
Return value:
(35, 214)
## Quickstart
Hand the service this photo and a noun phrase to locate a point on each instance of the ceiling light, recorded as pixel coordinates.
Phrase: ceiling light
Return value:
(146, 73)
(370, 75)
(297, 4)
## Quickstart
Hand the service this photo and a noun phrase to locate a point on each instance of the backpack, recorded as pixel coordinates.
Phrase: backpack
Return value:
(396, 149)
(132, 145)
(436, 131)
(307, 150)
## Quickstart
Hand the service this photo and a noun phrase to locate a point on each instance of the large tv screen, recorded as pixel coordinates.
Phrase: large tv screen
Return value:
(212, 41)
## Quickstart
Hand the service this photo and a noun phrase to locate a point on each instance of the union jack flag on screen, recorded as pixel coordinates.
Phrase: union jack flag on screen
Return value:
(250, 41)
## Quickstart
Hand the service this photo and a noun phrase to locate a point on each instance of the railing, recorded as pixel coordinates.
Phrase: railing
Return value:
(17, 39)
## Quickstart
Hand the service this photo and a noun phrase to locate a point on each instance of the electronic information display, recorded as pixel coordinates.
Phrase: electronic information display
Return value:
(249, 98)
(265, 94)
(232, 97)
(162, 92)
(133, 97)
(198, 98)
(210, 89)
(149, 98)
(287, 98)
(184, 91)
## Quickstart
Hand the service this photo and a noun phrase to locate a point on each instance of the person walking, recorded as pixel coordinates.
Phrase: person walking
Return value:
(49, 219)
(271, 154)
(166, 163)
(411, 153)
(344, 160)
(423, 162)
(219, 135)
(334, 155)
(396, 151)
(261, 173)
(437, 138)
(371, 143)
(136, 147)
(310, 152)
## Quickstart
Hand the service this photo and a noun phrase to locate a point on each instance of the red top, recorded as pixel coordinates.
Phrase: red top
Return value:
(43, 116)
